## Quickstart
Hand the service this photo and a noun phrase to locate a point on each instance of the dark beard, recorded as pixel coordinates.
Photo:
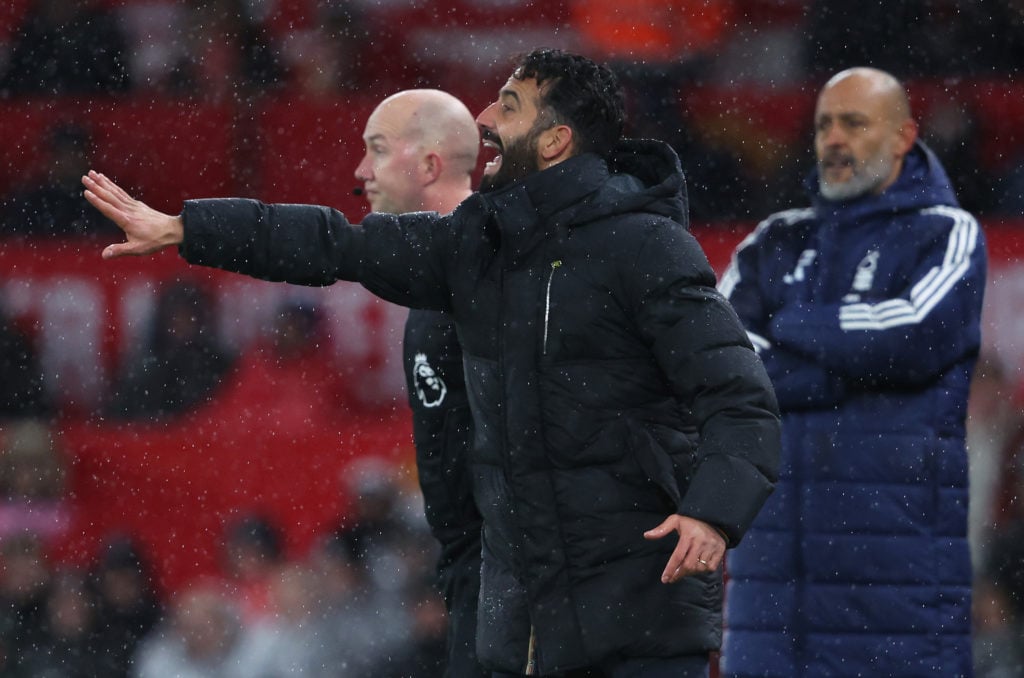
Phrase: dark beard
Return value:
(518, 161)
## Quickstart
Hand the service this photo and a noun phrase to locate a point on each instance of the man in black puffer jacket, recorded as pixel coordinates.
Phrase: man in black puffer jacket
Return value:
(615, 396)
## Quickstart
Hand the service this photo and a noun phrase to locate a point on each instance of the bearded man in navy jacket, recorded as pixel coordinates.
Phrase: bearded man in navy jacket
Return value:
(865, 308)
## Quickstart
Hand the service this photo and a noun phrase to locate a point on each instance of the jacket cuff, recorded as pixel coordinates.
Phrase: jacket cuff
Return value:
(714, 492)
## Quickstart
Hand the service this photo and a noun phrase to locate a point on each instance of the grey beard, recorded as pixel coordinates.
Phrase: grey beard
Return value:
(866, 178)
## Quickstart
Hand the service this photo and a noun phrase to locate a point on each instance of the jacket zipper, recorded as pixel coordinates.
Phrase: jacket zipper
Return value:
(531, 653)
(531, 650)
(547, 304)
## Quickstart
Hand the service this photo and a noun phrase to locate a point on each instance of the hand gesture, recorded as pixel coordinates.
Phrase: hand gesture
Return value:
(146, 230)
(701, 547)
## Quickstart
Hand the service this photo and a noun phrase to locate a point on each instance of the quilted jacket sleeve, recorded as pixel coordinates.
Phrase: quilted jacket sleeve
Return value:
(713, 370)
(396, 257)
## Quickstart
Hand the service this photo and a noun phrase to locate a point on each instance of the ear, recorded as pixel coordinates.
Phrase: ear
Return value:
(555, 145)
(907, 135)
(431, 167)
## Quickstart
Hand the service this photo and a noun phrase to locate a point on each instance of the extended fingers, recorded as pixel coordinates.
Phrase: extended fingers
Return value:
(97, 199)
(106, 190)
(114, 189)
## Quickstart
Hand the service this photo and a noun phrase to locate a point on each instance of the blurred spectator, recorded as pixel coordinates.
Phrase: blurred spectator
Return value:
(155, 31)
(31, 482)
(998, 634)
(737, 167)
(993, 38)
(24, 585)
(657, 48)
(999, 581)
(944, 40)
(202, 638)
(229, 55)
(378, 526)
(1010, 200)
(365, 625)
(764, 46)
(22, 393)
(67, 48)
(127, 607)
(423, 655)
(994, 420)
(288, 380)
(715, 185)
(326, 56)
(952, 130)
(53, 205)
(253, 556)
(375, 567)
(183, 361)
(65, 648)
(999, 614)
(294, 643)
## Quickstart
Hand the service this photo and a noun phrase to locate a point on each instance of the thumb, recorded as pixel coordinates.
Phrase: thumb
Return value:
(118, 250)
(660, 531)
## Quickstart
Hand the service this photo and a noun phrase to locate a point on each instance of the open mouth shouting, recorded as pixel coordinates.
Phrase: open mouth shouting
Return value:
(837, 165)
(490, 140)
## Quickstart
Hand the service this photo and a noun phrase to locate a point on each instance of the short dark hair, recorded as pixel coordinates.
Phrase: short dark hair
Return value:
(579, 93)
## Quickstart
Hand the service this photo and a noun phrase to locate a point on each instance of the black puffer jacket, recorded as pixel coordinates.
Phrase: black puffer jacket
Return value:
(610, 386)
(443, 432)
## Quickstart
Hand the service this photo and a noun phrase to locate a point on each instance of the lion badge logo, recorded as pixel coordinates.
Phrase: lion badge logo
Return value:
(430, 387)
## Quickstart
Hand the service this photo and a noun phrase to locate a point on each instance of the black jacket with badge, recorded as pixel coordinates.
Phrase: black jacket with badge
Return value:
(443, 431)
(610, 385)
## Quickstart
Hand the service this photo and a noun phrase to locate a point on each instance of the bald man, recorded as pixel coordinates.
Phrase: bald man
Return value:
(865, 308)
(421, 150)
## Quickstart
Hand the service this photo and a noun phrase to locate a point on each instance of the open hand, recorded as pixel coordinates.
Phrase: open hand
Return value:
(146, 230)
(701, 547)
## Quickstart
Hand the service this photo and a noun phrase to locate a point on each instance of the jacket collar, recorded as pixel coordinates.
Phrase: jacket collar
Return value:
(922, 183)
(642, 176)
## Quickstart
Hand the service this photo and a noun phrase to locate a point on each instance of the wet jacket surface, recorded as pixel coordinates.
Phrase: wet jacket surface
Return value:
(867, 316)
(443, 433)
(610, 384)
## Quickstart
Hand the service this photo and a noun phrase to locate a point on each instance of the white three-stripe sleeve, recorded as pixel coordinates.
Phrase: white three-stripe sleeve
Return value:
(931, 289)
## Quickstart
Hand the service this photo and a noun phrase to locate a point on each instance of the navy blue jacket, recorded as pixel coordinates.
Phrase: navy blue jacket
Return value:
(866, 314)
(610, 385)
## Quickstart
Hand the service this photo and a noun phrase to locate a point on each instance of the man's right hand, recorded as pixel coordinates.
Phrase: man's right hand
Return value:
(146, 230)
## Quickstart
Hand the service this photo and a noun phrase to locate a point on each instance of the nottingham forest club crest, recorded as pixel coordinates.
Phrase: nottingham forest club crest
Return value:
(864, 278)
(429, 385)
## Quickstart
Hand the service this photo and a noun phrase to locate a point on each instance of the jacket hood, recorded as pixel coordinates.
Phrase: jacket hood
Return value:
(640, 175)
(922, 183)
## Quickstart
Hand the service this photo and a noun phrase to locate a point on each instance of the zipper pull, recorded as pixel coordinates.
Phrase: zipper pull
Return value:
(531, 653)
(547, 305)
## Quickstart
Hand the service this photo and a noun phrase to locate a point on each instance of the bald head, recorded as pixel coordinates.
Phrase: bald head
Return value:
(872, 84)
(862, 132)
(421, 150)
(437, 120)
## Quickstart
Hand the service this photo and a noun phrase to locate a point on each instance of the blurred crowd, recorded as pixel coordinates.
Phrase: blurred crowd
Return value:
(672, 55)
(360, 601)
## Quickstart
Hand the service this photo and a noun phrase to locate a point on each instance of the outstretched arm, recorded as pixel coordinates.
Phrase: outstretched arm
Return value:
(146, 230)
